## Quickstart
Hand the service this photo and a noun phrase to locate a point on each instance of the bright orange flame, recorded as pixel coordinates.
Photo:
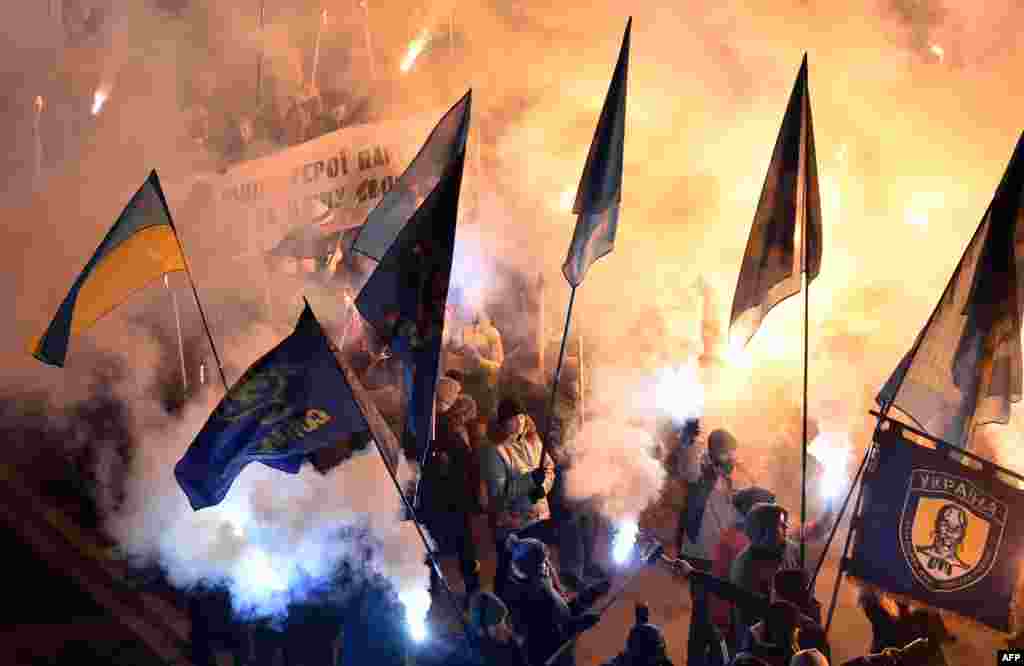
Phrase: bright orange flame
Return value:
(938, 52)
(99, 98)
(416, 47)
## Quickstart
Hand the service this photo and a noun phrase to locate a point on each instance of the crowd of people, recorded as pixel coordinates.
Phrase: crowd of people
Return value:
(735, 545)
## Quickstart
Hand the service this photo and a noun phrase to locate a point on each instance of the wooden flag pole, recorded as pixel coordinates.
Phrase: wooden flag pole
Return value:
(316, 49)
(192, 283)
(181, 344)
(545, 450)
(259, 61)
(365, 4)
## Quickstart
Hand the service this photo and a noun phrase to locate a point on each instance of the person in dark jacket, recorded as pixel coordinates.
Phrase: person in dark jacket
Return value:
(374, 631)
(769, 551)
(645, 645)
(450, 482)
(538, 606)
(786, 587)
(496, 640)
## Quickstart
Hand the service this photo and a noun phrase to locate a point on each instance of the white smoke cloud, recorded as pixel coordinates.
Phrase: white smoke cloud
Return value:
(615, 465)
(274, 533)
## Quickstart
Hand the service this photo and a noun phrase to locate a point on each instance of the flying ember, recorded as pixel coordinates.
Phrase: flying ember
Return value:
(416, 47)
(99, 98)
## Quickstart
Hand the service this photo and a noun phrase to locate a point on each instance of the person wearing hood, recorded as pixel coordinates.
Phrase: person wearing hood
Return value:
(645, 645)
(539, 608)
(769, 551)
(496, 641)
(517, 481)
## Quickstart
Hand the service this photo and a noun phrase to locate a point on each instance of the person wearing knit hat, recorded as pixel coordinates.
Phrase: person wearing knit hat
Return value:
(496, 641)
(539, 608)
(517, 481)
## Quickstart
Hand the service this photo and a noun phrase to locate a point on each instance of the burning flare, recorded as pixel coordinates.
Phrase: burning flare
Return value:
(566, 201)
(416, 47)
(832, 450)
(417, 605)
(625, 540)
(99, 98)
(938, 52)
(679, 393)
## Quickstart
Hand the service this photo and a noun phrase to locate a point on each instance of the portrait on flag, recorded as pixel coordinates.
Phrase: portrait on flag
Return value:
(938, 531)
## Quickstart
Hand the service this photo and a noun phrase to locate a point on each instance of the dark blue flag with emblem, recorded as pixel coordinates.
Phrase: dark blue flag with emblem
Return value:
(404, 300)
(788, 212)
(443, 147)
(964, 369)
(937, 531)
(600, 190)
(290, 403)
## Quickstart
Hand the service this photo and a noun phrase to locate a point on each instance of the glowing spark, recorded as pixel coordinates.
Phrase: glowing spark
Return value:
(99, 98)
(566, 201)
(832, 450)
(938, 52)
(679, 393)
(416, 47)
(417, 605)
(625, 540)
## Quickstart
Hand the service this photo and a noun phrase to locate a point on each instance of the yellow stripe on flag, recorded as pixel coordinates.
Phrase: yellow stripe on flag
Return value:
(142, 258)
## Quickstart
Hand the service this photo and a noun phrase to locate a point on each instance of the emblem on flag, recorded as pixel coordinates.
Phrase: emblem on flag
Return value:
(950, 530)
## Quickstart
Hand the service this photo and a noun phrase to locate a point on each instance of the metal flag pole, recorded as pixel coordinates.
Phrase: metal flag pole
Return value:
(806, 283)
(181, 343)
(854, 520)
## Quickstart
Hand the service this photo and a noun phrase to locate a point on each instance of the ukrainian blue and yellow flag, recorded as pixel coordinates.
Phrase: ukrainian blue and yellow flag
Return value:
(141, 247)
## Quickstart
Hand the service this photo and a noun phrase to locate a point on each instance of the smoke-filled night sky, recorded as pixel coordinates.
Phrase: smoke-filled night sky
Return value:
(915, 116)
